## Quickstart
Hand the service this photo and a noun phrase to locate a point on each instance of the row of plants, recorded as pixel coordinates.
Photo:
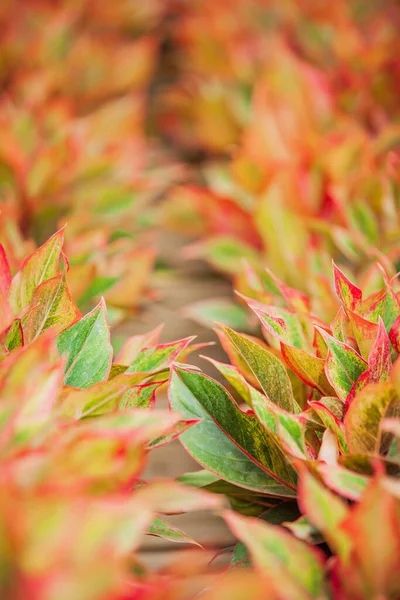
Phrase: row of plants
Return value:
(293, 109)
(306, 167)
(307, 453)
(74, 93)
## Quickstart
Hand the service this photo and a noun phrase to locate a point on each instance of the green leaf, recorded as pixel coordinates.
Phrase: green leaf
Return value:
(331, 422)
(386, 307)
(100, 399)
(163, 529)
(304, 530)
(364, 417)
(267, 369)
(43, 264)
(282, 323)
(343, 365)
(173, 434)
(226, 438)
(86, 345)
(141, 396)
(200, 478)
(347, 483)
(52, 307)
(15, 336)
(290, 566)
(325, 511)
(157, 358)
(234, 377)
(283, 513)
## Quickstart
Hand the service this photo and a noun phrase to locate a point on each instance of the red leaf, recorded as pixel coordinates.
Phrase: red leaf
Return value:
(394, 335)
(379, 364)
(5, 273)
(348, 293)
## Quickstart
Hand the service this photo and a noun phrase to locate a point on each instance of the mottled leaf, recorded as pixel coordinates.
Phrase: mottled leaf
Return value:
(331, 421)
(52, 307)
(141, 396)
(347, 483)
(325, 511)
(226, 438)
(364, 331)
(348, 293)
(343, 365)
(281, 323)
(364, 416)
(157, 358)
(310, 369)
(43, 264)
(15, 336)
(291, 567)
(267, 369)
(86, 345)
(101, 398)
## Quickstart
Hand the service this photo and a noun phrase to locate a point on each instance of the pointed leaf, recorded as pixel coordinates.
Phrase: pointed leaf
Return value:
(325, 511)
(281, 323)
(5, 273)
(394, 335)
(101, 398)
(347, 483)
(331, 422)
(343, 365)
(348, 293)
(291, 567)
(157, 358)
(364, 331)
(135, 344)
(15, 336)
(52, 307)
(173, 434)
(310, 369)
(225, 438)
(162, 529)
(43, 264)
(365, 414)
(234, 377)
(86, 344)
(267, 369)
(142, 396)
(296, 300)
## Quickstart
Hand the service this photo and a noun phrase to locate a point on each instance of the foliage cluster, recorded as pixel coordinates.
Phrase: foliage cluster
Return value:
(291, 109)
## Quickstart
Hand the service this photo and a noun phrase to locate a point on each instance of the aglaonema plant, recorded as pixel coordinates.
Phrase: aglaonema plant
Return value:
(73, 144)
(308, 427)
(76, 429)
(297, 168)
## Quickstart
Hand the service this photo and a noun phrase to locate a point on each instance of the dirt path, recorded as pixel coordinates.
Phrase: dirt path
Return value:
(191, 282)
